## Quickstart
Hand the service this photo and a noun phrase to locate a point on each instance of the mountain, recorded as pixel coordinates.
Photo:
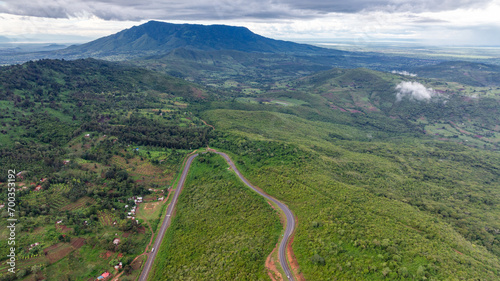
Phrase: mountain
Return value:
(156, 37)
(168, 42)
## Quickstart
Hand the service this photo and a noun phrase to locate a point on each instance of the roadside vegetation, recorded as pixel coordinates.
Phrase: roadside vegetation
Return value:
(222, 230)
(70, 129)
(375, 209)
(382, 188)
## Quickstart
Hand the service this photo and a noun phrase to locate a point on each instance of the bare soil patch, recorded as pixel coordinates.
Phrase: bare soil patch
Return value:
(58, 251)
(78, 243)
(63, 228)
(106, 255)
(272, 271)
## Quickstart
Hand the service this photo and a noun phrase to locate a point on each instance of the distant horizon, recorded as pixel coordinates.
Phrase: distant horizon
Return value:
(430, 22)
(38, 39)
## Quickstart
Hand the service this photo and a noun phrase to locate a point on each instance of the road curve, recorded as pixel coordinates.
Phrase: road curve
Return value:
(166, 221)
(290, 219)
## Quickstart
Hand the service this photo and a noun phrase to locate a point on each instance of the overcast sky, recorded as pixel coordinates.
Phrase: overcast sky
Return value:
(452, 22)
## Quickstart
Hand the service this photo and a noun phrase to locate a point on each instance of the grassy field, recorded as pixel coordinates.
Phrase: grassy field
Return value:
(221, 230)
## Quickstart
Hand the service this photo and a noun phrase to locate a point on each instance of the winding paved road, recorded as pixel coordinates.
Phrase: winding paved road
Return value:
(290, 219)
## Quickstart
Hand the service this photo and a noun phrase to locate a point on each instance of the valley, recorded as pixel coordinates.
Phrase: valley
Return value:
(389, 175)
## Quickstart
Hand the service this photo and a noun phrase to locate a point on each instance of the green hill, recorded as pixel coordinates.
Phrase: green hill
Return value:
(47, 102)
(474, 74)
(400, 208)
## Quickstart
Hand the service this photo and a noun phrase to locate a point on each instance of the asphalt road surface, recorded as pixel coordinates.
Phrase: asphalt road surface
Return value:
(290, 219)
(166, 221)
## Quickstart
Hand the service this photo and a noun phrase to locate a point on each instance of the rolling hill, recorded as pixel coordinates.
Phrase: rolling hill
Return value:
(390, 176)
(470, 73)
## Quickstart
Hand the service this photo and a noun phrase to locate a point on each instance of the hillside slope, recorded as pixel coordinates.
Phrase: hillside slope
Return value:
(469, 73)
(156, 37)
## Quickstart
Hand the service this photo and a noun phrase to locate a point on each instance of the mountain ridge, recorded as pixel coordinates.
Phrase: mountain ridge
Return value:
(156, 37)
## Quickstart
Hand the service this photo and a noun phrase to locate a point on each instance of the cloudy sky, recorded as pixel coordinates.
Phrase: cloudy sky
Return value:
(435, 22)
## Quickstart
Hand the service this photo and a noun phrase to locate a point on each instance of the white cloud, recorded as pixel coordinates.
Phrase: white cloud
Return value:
(430, 21)
(404, 72)
(414, 91)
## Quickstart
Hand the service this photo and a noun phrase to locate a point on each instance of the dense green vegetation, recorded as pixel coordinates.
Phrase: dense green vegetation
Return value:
(46, 103)
(475, 74)
(222, 229)
(67, 129)
(383, 188)
(374, 209)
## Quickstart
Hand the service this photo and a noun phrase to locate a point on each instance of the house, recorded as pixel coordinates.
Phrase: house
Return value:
(87, 135)
(119, 266)
(38, 188)
(160, 199)
(1, 206)
(116, 241)
(20, 174)
(58, 222)
(33, 245)
(104, 276)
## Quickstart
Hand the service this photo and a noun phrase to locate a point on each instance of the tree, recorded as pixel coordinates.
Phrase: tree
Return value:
(122, 175)
(21, 273)
(317, 260)
(421, 271)
(110, 174)
(35, 269)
